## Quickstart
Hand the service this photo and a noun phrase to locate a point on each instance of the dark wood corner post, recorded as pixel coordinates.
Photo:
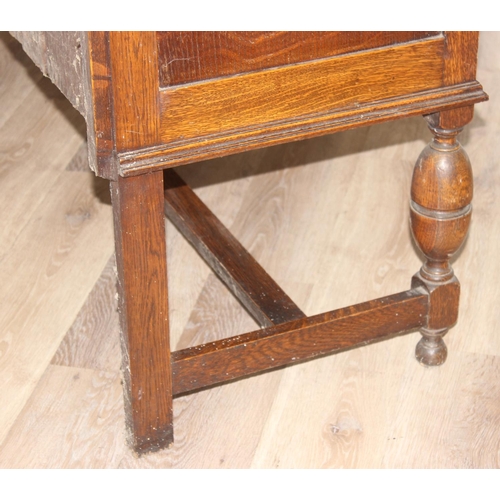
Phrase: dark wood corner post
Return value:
(143, 302)
(440, 212)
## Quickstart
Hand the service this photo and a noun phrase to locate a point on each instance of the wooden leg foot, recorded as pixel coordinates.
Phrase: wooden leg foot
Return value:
(431, 349)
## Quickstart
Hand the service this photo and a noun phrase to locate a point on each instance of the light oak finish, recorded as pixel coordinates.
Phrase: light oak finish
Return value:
(372, 407)
(314, 88)
(187, 57)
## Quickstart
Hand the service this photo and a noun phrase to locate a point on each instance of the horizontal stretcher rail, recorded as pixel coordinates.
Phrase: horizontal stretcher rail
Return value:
(224, 360)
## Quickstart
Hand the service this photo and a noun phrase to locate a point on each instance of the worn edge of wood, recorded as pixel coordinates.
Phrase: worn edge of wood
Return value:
(180, 153)
(243, 275)
(58, 55)
(100, 108)
(224, 360)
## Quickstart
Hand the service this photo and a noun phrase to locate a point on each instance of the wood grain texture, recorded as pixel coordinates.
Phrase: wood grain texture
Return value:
(141, 260)
(57, 205)
(468, 410)
(440, 214)
(460, 46)
(216, 312)
(35, 298)
(236, 141)
(202, 419)
(185, 266)
(78, 63)
(189, 56)
(15, 85)
(79, 162)
(134, 68)
(26, 155)
(299, 340)
(59, 56)
(372, 407)
(126, 111)
(442, 180)
(101, 136)
(87, 408)
(311, 88)
(247, 280)
(451, 118)
(358, 423)
(92, 340)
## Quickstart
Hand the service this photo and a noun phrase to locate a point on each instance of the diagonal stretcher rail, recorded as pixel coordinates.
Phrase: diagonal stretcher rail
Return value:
(243, 275)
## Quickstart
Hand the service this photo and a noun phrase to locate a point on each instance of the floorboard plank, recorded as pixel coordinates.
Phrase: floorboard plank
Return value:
(74, 420)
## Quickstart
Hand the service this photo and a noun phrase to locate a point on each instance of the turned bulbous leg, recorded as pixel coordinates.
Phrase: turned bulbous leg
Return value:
(441, 196)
